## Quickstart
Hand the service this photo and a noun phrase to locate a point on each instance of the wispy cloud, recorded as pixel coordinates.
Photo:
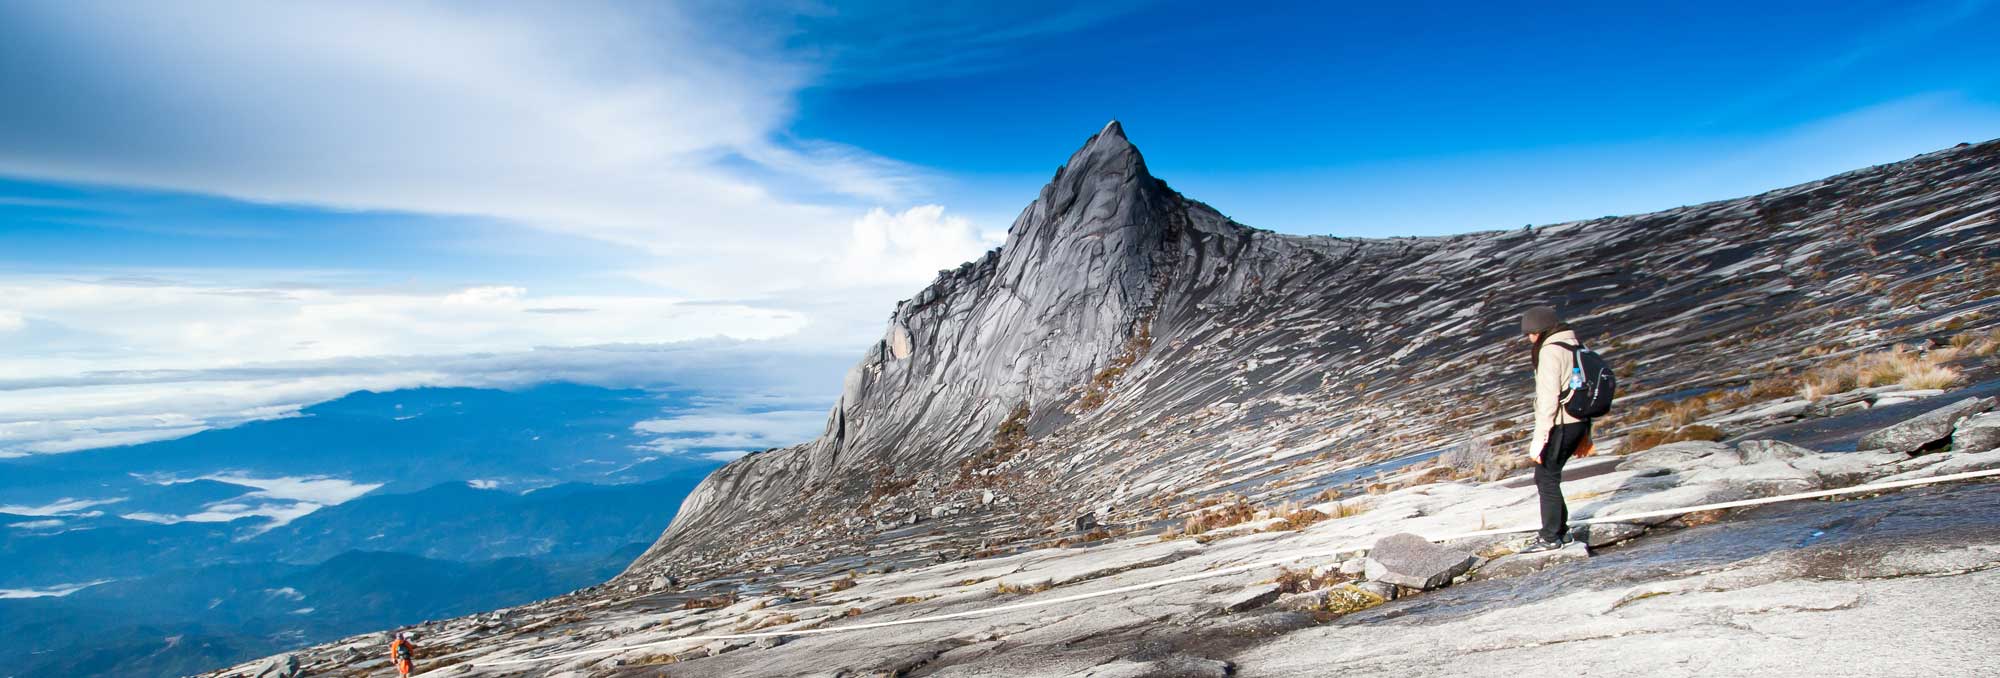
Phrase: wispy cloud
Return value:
(653, 126)
(281, 499)
(726, 430)
(56, 591)
(61, 507)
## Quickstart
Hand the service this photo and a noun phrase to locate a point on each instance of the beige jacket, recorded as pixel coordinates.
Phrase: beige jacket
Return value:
(1551, 375)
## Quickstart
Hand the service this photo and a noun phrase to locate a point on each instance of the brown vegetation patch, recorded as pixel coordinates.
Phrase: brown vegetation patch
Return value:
(710, 603)
(1649, 438)
(1302, 580)
(1236, 511)
(1897, 366)
(1700, 518)
(1008, 439)
(1099, 388)
(1005, 588)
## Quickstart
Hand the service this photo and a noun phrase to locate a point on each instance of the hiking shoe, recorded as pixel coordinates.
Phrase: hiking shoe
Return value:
(1539, 545)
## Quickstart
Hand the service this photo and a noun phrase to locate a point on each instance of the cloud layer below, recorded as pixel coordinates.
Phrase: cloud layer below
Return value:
(657, 128)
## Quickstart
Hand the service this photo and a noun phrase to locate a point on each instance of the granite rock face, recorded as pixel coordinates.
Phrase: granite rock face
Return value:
(1927, 429)
(1977, 433)
(1129, 346)
(281, 666)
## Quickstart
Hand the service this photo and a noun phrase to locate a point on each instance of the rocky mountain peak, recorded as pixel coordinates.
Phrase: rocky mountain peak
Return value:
(1128, 345)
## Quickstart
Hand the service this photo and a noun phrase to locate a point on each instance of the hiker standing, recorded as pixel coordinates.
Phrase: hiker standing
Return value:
(404, 653)
(1559, 431)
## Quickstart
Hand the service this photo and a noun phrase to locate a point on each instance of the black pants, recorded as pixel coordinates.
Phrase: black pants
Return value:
(1549, 477)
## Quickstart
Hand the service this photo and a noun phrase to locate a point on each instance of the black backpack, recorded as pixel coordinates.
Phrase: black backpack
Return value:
(1587, 393)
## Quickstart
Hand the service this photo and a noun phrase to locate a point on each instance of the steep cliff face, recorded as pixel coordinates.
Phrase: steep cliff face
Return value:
(1084, 269)
(1162, 352)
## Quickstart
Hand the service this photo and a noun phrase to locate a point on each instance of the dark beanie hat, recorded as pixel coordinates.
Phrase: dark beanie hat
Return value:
(1539, 320)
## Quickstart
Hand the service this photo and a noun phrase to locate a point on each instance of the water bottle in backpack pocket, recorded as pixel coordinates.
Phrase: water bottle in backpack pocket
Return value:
(1587, 394)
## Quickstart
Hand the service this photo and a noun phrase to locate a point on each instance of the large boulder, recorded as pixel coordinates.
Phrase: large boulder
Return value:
(1926, 429)
(1409, 560)
(1977, 434)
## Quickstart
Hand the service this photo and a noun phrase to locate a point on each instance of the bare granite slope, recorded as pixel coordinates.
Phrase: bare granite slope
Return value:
(1039, 424)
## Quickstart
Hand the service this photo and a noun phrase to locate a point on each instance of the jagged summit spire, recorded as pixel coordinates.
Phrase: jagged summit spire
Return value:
(1105, 154)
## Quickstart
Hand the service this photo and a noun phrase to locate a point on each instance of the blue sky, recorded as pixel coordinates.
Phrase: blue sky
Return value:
(273, 203)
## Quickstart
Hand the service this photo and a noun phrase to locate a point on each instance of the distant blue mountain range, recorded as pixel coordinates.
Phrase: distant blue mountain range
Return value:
(366, 512)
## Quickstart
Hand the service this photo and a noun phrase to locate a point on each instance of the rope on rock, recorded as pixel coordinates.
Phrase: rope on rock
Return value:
(1858, 489)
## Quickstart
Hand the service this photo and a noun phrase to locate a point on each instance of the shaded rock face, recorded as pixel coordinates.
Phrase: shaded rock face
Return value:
(1162, 351)
(1927, 429)
(1977, 433)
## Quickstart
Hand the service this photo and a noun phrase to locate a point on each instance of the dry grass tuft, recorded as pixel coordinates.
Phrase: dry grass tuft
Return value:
(1296, 517)
(1930, 376)
(1895, 367)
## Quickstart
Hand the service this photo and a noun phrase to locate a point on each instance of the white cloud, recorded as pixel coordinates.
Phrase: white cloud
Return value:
(143, 362)
(657, 127)
(653, 126)
(37, 524)
(56, 591)
(317, 489)
(732, 427)
(281, 499)
(55, 413)
(114, 325)
(482, 484)
(910, 247)
(61, 507)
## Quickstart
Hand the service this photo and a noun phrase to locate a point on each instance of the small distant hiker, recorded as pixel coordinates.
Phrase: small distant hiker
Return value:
(1572, 385)
(403, 652)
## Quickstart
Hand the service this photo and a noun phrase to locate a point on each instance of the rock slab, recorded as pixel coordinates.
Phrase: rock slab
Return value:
(1409, 560)
(281, 666)
(1926, 429)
